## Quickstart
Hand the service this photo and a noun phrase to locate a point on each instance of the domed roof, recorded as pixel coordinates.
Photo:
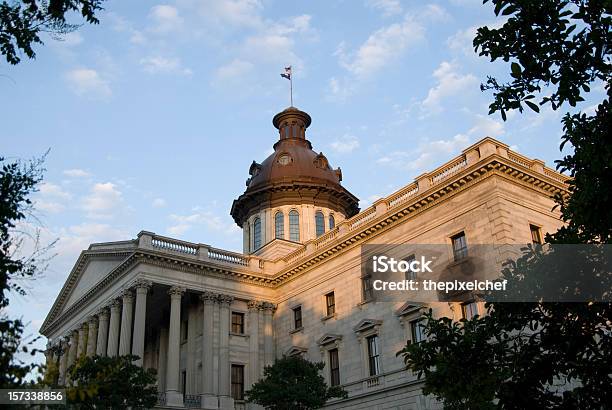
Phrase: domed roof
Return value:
(293, 166)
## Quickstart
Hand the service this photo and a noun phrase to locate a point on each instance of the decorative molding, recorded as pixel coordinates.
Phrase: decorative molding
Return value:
(208, 298)
(225, 299)
(367, 324)
(296, 351)
(176, 291)
(329, 338)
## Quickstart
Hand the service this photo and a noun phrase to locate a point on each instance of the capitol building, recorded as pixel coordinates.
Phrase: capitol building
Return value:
(208, 320)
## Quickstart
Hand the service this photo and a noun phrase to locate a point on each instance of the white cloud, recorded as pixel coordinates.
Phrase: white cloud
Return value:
(462, 41)
(426, 155)
(76, 173)
(240, 13)
(71, 39)
(88, 82)
(234, 70)
(102, 200)
(486, 127)
(387, 7)
(158, 203)
(449, 83)
(345, 144)
(163, 65)
(51, 198)
(48, 189)
(382, 47)
(207, 219)
(166, 18)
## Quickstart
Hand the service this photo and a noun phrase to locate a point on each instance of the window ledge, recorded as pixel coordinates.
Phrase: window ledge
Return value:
(299, 329)
(325, 318)
(364, 302)
(239, 334)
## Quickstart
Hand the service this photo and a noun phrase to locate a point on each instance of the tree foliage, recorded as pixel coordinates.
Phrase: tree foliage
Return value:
(111, 383)
(22, 22)
(17, 183)
(293, 383)
(540, 355)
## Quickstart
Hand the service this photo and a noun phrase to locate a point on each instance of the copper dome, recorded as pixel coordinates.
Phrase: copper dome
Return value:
(293, 168)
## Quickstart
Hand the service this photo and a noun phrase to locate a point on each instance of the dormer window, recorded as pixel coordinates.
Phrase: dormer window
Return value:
(284, 159)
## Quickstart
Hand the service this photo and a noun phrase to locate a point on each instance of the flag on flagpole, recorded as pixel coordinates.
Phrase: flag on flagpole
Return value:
(287, 73)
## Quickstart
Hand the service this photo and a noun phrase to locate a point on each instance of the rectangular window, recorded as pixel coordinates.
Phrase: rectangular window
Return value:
(416, 331)
(238, 323)
(373, 355)
(460, 250)
(368, 291)
(334, 368)
(297, 317)
(536, 234)
(469, 310)
(330, 302)
(294, 226)
(237, 382)
(410, 275)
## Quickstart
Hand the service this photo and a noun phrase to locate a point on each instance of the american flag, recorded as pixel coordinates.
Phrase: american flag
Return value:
(287, 73)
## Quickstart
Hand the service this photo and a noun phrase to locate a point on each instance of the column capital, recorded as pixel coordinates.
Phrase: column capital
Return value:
(114, 304)
(269, 307)
(176, 291)
(208, 297)
(92, 320)
(254, 305)
(142, 285)
(225, 299)
(102, 313)
(127, 295)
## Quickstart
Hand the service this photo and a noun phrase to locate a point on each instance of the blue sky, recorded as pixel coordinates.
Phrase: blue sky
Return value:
(153, 117)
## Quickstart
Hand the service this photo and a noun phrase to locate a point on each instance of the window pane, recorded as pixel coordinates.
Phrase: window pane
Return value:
(330, 301)
(279, 225)
(294, 226)
(257, 233)
(410, 275)
(332, 222)
(238, 322)
(297, 317)
(334, 367)
(416, 330)
(237, 378)
(460, 250)
(536, 236)
(373, 355)
(319, 223)
(469, 310)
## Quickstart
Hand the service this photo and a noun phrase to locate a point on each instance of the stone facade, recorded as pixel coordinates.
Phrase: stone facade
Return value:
(209, 320)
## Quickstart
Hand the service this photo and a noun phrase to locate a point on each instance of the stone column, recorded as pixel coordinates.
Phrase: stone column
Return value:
(82, 344)
(163, 359)
(225, 401)
(173, 395)
(254, 307)
(125, 338)
(63, 362)
(72, 352)
(91, 336)
(102, 338)
(209, 400)
(113, 330)
(268, 334)
(138, 344)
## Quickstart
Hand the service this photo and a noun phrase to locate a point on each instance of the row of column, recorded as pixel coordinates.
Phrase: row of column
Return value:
(108, 332)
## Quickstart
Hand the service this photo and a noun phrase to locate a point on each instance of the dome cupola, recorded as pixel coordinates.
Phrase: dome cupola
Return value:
(294, 179)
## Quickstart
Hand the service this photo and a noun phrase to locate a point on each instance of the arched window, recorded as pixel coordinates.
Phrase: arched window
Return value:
(256, 234)
(332, 222)
(294, 226)
(279, 225)
(319, 223)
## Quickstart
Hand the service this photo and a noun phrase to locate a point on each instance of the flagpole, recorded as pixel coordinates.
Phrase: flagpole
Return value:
(291, 88)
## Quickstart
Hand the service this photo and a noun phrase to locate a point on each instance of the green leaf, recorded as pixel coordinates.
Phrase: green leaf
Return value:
(516, 70)
(532, 106)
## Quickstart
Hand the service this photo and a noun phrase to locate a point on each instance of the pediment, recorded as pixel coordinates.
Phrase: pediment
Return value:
(296, 351)
(366, 324)
(329, 338)
(409, 308)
